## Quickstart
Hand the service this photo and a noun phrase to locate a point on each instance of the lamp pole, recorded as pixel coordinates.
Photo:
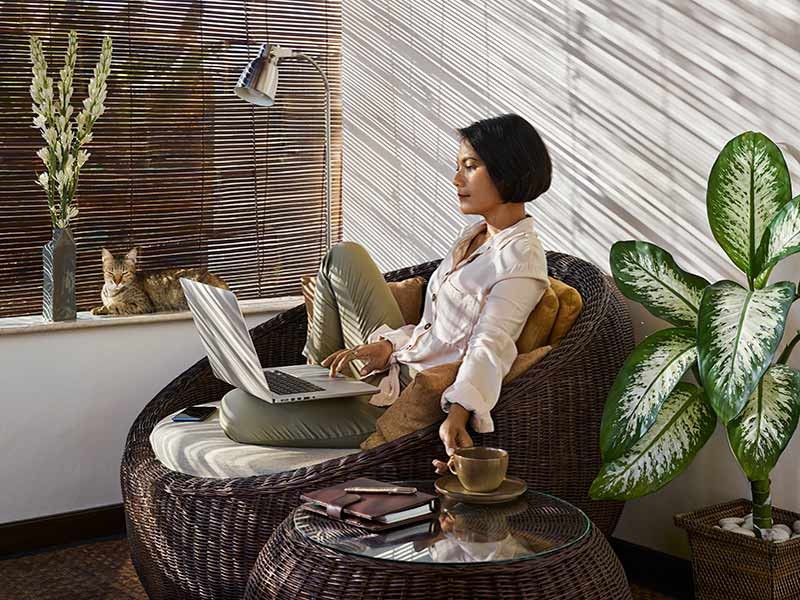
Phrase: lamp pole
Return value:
(327, 148)
(258, 84)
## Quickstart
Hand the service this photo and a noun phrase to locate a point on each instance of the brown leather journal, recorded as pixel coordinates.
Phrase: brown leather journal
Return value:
(375, 512)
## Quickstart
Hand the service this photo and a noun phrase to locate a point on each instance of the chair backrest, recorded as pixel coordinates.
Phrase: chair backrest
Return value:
(549, 418)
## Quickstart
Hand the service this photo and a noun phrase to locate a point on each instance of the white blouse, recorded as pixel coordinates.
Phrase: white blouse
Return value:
(475, 309)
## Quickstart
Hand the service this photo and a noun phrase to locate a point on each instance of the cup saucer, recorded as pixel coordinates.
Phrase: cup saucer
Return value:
(451, 487)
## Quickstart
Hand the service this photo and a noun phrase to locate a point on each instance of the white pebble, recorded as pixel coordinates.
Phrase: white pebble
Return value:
(718, 527)
(774, 535)
(795, 535)
(734, 520)
(729, 526)
(743, 531)
(783, 527)
(796, 526)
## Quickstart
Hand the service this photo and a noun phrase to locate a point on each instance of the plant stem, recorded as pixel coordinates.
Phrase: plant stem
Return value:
(787, 352)
(762, 505)
(696, 373)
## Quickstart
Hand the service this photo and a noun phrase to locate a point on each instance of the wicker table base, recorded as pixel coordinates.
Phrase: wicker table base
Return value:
(292, 567)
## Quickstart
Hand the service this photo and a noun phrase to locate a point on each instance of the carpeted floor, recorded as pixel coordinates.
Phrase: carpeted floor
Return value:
(102, 570)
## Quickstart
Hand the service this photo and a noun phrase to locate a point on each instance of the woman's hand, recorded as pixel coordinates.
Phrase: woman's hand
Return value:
(375, 356)
(453, 433)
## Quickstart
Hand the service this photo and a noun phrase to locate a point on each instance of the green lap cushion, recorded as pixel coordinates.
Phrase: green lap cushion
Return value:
(329, 423)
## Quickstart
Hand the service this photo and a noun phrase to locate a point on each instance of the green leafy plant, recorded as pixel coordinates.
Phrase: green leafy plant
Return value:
(64, 156)
(726, 334)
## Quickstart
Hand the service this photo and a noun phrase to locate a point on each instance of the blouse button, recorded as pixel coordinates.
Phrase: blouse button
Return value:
(433, 298)
(427, 325)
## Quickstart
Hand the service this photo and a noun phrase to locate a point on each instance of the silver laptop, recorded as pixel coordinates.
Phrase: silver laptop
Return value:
(233, 358)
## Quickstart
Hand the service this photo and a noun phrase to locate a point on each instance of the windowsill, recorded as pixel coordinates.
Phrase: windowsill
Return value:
(35, 323)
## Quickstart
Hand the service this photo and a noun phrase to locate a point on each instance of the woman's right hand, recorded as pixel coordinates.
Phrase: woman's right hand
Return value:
(375, 356)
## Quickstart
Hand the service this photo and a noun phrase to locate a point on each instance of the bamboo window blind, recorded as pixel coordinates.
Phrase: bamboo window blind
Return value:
(180, 166)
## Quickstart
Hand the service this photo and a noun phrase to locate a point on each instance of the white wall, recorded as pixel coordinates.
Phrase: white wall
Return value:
(634, 99)
(69, 399)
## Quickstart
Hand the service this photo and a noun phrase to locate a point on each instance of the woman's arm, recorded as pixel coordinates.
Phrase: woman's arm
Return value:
(491, 349)
(398, 337)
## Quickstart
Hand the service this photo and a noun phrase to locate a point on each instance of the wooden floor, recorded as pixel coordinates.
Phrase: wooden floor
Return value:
(102, 570)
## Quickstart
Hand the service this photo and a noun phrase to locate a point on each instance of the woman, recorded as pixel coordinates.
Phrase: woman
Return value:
(476, 304)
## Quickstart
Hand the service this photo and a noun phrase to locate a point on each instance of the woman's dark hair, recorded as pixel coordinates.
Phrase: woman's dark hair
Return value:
(515, 156)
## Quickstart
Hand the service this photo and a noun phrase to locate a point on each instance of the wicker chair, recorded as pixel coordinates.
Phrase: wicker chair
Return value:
(199, 538)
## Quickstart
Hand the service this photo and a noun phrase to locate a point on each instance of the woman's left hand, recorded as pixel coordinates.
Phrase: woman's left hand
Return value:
(453, 433)
(375, 356)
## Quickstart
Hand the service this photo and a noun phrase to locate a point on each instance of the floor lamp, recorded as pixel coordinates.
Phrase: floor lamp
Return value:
(258, 84)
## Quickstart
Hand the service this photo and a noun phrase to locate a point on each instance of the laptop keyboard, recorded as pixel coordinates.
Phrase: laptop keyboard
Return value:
(283, 383)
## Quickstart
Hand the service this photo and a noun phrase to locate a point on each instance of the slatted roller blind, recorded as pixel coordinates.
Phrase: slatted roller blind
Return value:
(179, 166)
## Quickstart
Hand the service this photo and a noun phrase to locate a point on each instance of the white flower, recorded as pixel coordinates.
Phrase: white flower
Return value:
(62, 156)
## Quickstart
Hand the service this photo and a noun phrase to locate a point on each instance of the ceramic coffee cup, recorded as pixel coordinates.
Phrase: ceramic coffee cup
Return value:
(479, 469)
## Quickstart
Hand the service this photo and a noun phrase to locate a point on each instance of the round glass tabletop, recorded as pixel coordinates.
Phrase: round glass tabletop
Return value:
(533, 525)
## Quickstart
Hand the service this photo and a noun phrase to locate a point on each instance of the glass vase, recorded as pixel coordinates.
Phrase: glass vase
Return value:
(58, 281)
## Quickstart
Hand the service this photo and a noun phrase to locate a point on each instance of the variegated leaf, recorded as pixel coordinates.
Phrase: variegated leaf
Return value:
(684, 424)
(738, 332)
(760, 433)
(649, 275)
(781, 239)
(646, 379)
(749, 183)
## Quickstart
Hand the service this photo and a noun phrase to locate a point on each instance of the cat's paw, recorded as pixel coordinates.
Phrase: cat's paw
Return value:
(100, 310)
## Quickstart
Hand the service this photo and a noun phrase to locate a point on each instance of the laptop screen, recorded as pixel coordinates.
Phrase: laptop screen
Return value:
(222, 329)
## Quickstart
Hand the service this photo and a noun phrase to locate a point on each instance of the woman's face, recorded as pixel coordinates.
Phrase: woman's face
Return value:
(477, 193)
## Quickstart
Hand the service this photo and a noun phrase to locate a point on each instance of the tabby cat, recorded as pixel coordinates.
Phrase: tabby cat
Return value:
(128, 292)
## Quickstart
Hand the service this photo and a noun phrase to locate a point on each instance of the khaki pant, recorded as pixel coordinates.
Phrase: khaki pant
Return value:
(351, 301)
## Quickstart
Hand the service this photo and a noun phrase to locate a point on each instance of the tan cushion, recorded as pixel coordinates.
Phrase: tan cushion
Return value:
(419, 405)
(537, 328)
(408, 294)
(307, 286)
(552, 318)
(570, 305)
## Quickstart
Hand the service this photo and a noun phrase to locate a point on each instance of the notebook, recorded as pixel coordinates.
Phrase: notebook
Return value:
(375, 512)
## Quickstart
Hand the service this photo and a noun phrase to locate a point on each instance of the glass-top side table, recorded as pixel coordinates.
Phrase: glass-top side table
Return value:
(537, 547)
(533, 525)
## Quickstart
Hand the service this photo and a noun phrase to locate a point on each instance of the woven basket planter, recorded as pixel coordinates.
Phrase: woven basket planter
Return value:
(732, 566)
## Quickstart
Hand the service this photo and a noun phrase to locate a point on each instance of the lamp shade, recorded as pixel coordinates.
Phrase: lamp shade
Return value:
(259, 80)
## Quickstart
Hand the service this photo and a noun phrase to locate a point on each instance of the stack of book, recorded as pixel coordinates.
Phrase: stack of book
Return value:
(371, 504)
